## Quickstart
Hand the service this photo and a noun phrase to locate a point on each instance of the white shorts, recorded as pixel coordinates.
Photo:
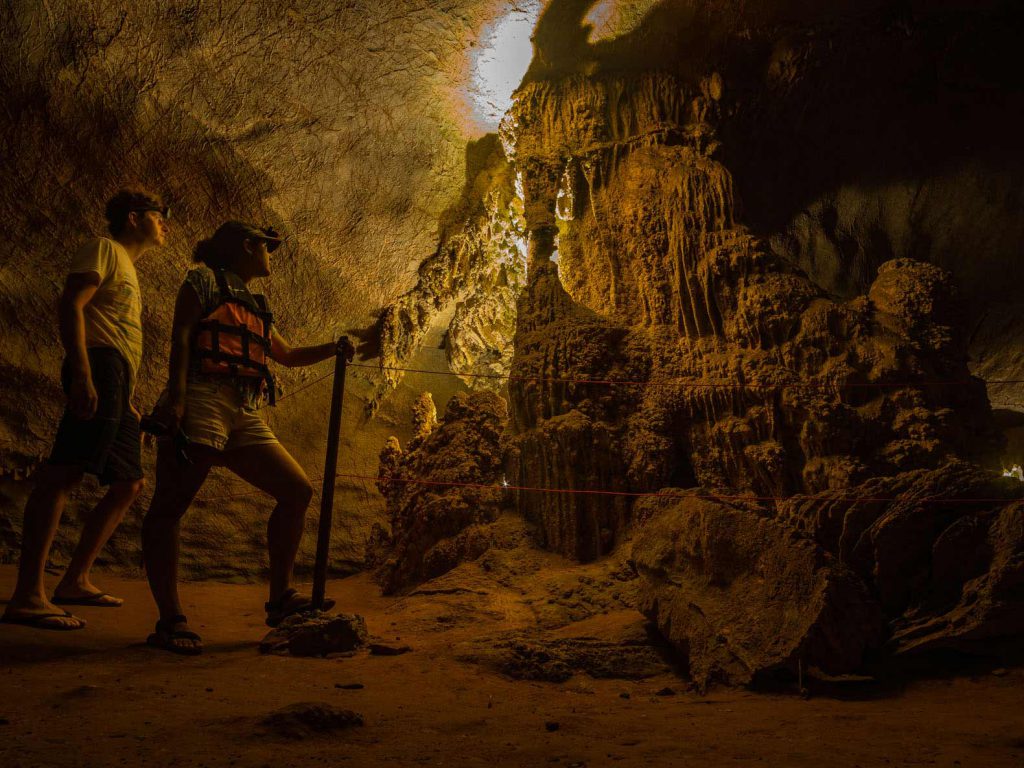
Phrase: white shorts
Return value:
(216, 415)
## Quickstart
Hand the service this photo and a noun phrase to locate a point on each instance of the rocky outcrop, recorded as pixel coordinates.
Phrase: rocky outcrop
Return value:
(441, 493)
(565, 434)
(746, 598)
(682, 351)
(478, 268)
(943, 551)
(750, 594)
(976, 586)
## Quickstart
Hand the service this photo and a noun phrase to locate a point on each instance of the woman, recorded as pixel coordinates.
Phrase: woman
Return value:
(221, 341)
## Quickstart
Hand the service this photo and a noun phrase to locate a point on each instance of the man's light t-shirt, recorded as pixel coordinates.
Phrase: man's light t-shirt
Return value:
(113, 317)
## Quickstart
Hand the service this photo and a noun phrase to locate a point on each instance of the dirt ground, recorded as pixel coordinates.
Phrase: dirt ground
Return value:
(101, 697)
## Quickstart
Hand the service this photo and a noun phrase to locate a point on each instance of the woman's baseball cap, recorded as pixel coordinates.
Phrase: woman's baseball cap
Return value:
(236, 231)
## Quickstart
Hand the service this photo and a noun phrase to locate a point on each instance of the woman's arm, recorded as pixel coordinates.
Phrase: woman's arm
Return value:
(187, 314)
(296, 357)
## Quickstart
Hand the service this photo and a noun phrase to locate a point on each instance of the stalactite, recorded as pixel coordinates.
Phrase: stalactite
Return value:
(656, 261)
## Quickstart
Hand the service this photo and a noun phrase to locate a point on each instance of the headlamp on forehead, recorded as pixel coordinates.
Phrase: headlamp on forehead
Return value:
(164, 211)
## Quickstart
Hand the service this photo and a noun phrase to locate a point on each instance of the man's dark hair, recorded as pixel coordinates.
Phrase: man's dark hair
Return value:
(126, 201)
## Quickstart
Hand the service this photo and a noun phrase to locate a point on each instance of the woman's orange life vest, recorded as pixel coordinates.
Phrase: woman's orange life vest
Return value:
(233, 339)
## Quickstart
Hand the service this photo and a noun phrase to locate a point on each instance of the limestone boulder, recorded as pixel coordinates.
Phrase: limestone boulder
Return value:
(943, 551)
(978, 583)
(745, 598)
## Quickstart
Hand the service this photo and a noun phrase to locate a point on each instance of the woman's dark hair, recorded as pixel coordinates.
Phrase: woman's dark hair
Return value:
(217, 252)
(211, 253)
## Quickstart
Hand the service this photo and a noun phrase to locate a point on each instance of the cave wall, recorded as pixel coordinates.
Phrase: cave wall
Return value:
(343, 124)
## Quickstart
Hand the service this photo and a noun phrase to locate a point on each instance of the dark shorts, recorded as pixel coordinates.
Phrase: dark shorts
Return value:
(109, 444)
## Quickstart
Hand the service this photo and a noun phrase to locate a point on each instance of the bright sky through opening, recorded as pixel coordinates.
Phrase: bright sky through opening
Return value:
(501, 61)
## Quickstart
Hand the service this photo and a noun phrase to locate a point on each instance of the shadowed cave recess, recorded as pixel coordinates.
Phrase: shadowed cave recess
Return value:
(746, 269)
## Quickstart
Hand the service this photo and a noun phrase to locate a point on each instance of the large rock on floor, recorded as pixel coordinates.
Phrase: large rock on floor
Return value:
(983, 557)
(942, 549)
(747, 599)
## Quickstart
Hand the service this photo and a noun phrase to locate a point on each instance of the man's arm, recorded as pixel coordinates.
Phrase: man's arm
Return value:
(79, 289)
(296, 357)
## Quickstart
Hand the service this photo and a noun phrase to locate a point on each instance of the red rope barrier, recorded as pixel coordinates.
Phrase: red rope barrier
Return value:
(696, 383)
(657, 494)
(600, 492)
(635, 494)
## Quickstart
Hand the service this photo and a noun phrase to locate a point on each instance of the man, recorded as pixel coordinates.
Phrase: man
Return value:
(100, 326)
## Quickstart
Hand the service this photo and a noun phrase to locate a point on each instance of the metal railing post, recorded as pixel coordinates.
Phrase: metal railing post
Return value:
(323, 541)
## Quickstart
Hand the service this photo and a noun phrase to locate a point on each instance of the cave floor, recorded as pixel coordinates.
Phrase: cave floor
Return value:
(101, 697)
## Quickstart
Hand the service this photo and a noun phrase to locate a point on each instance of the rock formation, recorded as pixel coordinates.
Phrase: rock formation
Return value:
(660, 343)
(746, 597)
(439, 523)
(738, 371)
(942, 550)
(923, 560)
(477, 269)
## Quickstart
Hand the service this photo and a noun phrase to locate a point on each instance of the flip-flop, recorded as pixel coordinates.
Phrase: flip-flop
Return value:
(99, 600)
(39, 621)
(163, 638)
(276, 612)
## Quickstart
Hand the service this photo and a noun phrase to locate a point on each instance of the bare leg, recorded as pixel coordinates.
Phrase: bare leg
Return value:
(273, 470)
(176, 486)
(102, 522)
(42, 515)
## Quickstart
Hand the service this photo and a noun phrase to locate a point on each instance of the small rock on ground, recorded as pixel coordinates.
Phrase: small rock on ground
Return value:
(321, 634)
(380, 649)
(310, 718)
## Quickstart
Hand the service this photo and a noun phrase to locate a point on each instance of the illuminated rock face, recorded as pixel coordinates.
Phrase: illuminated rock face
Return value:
(478, 269)
(737, 374)
(745, 374)
(436, 527)
(747, 597)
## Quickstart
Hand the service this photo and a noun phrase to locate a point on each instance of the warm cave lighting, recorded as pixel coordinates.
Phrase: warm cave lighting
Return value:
(501, 61)
(613, 18)
(521, 248)
(1016, 471)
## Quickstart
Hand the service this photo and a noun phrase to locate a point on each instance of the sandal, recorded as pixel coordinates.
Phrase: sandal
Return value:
(291, 603)
(165, 635)
(96, 600)
(52, 621)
